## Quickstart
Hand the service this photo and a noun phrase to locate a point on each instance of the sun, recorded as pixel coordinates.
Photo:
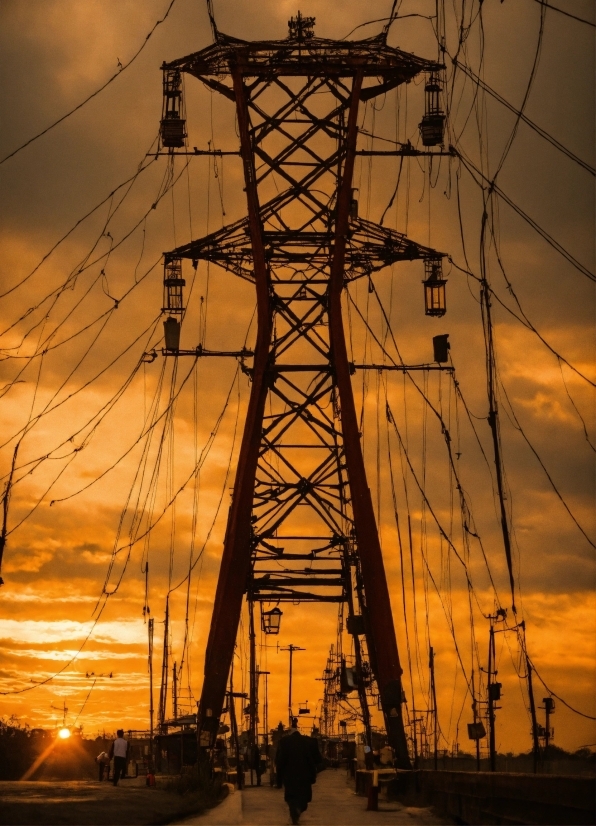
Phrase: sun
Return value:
(64, 733)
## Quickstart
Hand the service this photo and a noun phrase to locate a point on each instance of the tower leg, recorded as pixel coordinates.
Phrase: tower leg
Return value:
(380, 632)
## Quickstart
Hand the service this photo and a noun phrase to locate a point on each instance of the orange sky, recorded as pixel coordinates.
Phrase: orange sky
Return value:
(53, 54)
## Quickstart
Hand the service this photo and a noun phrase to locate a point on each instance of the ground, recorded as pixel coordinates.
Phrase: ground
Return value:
(89, 803)
(131, 803)
(334, 804)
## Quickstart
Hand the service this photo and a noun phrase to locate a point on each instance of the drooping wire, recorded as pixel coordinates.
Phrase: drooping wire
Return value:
(93, 94)
(515, 422)
(474, 171)
(547, 5)
(522, 116)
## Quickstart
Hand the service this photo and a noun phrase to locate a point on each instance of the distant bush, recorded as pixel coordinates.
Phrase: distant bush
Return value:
(21, 746)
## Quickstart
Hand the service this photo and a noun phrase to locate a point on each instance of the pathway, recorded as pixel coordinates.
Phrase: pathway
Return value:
(334, 804)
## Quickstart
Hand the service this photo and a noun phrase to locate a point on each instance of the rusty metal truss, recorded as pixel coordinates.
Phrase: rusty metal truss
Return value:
(301, 526)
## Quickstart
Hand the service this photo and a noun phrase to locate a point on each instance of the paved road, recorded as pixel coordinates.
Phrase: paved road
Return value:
(334, 804)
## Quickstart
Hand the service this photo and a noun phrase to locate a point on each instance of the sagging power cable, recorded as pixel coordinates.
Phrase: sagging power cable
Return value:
(121, 69)
(547, 5)
(522, 116)
(474, 171)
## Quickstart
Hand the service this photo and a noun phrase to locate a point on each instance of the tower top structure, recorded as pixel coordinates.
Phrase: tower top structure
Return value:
(302, 53)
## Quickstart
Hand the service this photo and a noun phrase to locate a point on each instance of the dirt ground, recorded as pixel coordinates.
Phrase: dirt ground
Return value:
(90, 803)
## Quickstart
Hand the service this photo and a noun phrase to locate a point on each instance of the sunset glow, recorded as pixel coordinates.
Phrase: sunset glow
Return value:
(118, 463)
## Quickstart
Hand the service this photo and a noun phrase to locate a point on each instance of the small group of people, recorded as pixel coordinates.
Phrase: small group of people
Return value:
(117, 753)
(296, 765)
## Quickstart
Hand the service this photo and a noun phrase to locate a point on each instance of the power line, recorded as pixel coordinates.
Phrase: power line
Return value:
(93, 94)
(538, 129)
(514, 420)
(110, 195)
(473, 170)
(547, 5)
(524, 320)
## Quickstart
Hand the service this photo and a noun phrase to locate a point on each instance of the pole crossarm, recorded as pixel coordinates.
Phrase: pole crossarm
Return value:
(301, 526)
(304, 57)
(370, 247)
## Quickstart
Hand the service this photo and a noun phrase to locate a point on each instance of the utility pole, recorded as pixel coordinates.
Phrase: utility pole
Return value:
(475, 718)
(493, 412)
(163, 694)
(253, 685)
(150, 627)
(231, 695)
(174, 692)
(494, 688)
(549, 708)
(415, 721)
(291, 648)
(433, 694)
(535, 741)
(258, 674)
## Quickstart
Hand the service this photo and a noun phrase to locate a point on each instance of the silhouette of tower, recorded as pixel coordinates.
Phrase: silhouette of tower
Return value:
(301, 525)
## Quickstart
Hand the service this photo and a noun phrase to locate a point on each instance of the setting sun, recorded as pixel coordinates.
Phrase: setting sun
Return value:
(64, 733)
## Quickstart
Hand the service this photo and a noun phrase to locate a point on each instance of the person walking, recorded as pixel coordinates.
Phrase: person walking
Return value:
(103, 763)
(118, 751)
(296, 763)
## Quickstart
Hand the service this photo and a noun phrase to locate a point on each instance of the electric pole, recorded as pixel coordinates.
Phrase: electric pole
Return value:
(291, 648)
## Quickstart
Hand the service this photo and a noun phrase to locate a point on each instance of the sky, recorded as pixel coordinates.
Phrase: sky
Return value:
(77, 400)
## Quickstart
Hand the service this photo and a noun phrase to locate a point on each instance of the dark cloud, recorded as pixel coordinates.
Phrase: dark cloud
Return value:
(55, 53)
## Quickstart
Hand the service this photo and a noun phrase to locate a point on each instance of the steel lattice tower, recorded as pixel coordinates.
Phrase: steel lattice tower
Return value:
(301, 499)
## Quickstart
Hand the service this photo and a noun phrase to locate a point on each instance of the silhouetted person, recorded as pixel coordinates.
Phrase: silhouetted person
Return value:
(296, 766)
(256, 762)
(118, 751)
(103, 763)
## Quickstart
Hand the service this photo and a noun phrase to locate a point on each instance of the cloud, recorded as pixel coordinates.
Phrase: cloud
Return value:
(57, 562)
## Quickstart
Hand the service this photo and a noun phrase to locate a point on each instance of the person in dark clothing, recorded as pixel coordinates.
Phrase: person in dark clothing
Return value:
(118, 751)
(296, 769)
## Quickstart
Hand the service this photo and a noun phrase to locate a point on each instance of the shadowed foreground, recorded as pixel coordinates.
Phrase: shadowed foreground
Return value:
(90, 803)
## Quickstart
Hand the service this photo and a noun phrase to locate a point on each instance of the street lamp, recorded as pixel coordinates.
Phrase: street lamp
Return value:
(271, 620)
(434, 287)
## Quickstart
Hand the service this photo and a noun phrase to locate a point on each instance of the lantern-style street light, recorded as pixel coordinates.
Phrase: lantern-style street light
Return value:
(434, 287)
(270, 620)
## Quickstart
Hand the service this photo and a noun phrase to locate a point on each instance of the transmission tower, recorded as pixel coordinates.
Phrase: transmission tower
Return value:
(301, 526)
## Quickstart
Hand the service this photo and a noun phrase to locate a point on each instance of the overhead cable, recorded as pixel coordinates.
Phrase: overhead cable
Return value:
(515, 422)
(524, 320)
(547, 5)
(111, 194)
(538, 129)
(93, 94)
(473, 170)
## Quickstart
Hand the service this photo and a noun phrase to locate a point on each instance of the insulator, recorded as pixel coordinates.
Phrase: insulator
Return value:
(173, 123)
(172, 286)
(434, 287)
(432, 125)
